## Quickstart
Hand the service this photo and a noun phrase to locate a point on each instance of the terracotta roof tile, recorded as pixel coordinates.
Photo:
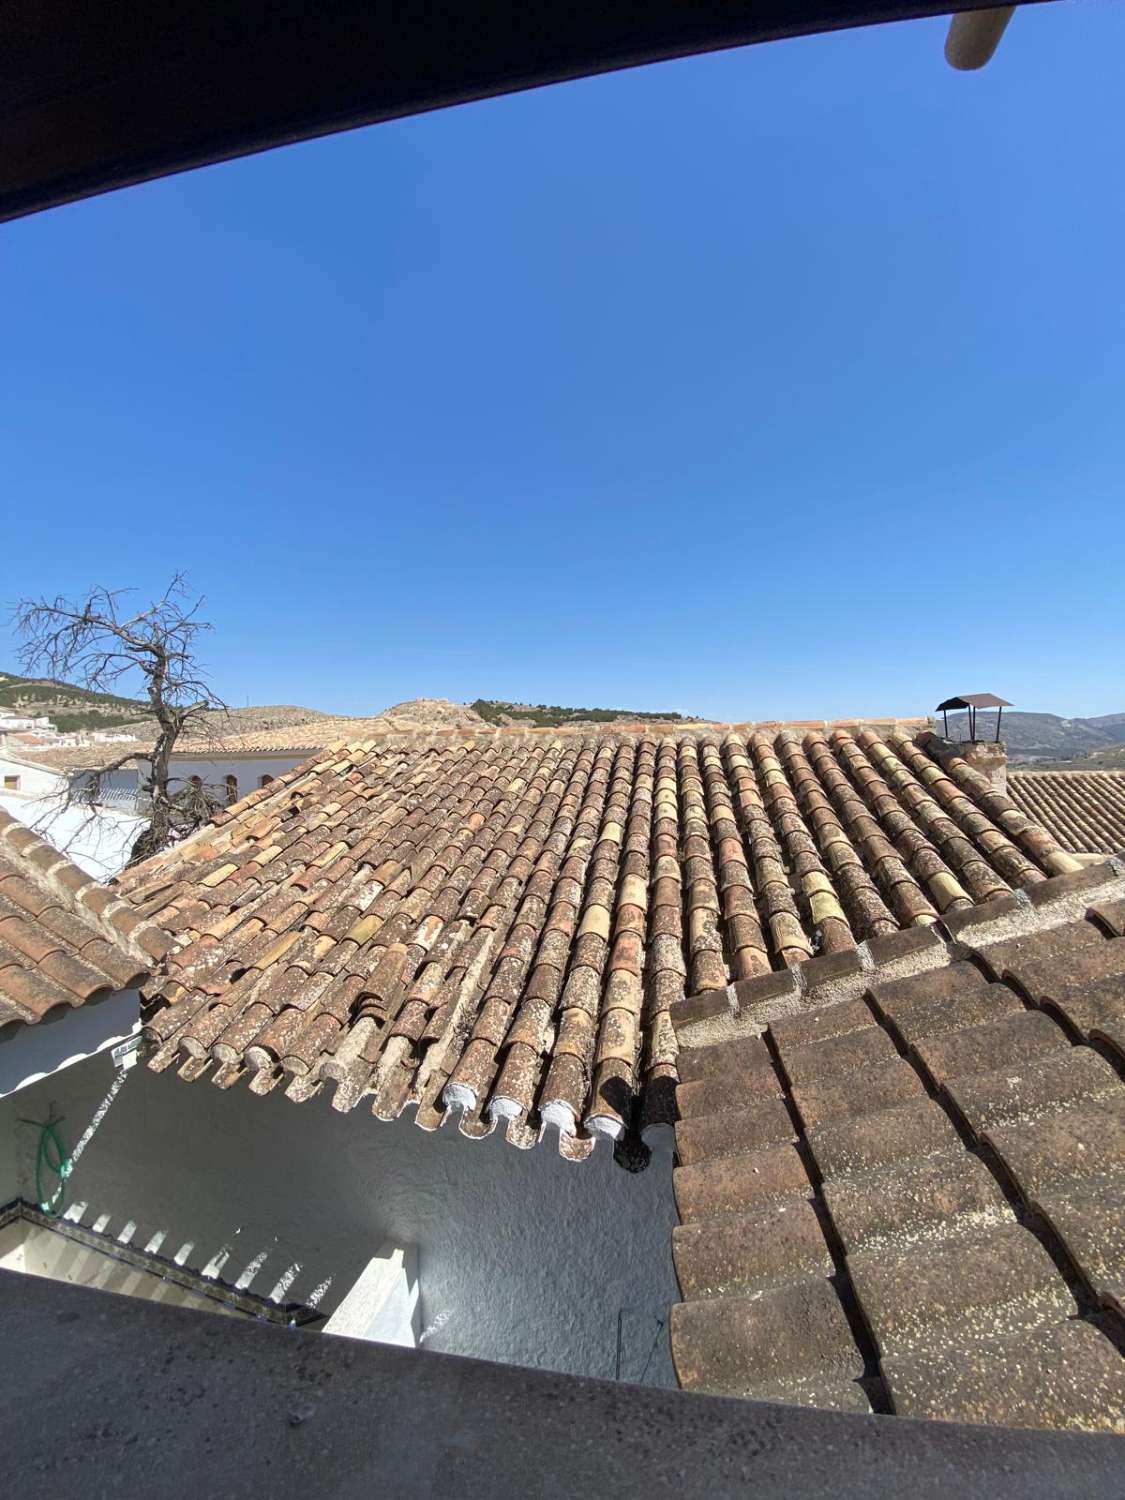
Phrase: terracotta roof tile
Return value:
(1095, 1012)
(788, 1340)
(1054, 1376)
(64, 939)
(750, 1252)
(1084, 810)
(736, 1184)
(504, 925)
(956, 1136)
(837, 1098)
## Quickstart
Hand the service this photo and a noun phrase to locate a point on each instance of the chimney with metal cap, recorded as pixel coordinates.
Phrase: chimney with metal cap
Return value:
(986, 754)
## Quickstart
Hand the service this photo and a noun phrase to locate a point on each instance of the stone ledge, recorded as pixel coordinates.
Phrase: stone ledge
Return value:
(1056, 887)
(998, 909)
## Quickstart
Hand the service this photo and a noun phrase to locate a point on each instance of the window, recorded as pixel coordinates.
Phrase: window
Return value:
(265, 779)
(11, 783)
(232, 789)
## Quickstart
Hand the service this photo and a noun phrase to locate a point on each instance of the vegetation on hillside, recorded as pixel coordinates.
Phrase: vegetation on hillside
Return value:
(1047, 739)
(67, 706)
(552, 716)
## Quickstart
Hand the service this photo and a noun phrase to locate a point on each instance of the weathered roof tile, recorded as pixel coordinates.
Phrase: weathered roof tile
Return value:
(1084, 810)
(967, 1194)
(745, 1346)
(750, 1252)
(59, 942)
(1064, 1375)
(998, 1280)
(737, 1184)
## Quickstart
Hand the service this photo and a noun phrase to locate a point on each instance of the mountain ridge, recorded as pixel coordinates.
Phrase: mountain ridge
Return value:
(1032, 738)
(1036, 737)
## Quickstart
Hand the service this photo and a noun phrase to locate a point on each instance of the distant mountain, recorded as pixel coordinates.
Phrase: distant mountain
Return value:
(1113, 725)
(1046, 737)
(67, 706)
(72, 708)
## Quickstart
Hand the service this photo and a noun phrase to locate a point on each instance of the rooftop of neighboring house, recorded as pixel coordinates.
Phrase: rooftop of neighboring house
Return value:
(64, 938)
(20, 757)
(900, 1176)
(393, 727)
(500, 926)
(93, 757)
(1084, 810)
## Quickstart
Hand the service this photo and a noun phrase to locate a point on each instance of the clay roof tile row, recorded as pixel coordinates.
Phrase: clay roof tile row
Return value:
(64, 939)
(503, 925)
(1084, 810)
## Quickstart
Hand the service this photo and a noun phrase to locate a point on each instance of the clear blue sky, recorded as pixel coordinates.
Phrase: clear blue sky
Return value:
(781, 382)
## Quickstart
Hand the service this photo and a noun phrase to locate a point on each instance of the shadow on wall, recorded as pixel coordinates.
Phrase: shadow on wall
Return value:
(524, 1258)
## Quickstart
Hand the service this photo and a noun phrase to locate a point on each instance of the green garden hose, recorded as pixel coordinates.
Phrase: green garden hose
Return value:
(51, 1156)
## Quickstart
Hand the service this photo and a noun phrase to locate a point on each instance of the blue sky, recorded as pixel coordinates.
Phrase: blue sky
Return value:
(781, 382)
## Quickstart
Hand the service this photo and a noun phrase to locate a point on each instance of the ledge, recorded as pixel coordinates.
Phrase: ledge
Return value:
(106, 1388)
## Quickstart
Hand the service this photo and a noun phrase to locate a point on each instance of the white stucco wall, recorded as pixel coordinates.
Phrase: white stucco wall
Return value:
(213, 767)
(34, 781)
(64, 1038)
(523, 1257)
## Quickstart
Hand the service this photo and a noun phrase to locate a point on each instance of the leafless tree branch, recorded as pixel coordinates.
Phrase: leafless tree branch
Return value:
(98, 643)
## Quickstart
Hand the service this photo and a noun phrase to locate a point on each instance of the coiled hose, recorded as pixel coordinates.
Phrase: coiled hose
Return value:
(50, 1158)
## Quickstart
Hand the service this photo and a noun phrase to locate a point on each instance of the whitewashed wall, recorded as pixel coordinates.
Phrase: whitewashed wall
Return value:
(213, 768)
(98, 839)
(523, 1257)
(34, 781)
(64, 1038)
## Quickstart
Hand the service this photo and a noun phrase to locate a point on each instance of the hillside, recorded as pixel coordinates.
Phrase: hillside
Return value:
(428, 713)
(552, 716)
(73, 708)
(67, 706)
(1048, 737)
(255, 719)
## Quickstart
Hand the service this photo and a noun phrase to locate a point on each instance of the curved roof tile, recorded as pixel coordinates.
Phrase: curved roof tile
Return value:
(64, 939)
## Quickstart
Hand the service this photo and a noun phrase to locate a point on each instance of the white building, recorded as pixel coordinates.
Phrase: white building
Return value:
(97, 837)
(21, 724)
(228, 772)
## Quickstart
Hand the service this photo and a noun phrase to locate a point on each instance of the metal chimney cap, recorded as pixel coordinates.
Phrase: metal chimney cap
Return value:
(973, 700)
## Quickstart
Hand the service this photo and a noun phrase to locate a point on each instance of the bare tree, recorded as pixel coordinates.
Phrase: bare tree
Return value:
(100, 645)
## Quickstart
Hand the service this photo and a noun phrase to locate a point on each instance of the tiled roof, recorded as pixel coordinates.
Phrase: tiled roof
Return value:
(1085, 810)
(501, 925)
(390, 729)
(901, 1183)
(315, 735)
(64, 939)
(85, 757)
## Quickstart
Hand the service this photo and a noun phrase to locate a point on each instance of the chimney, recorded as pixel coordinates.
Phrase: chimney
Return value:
(990, 758)
(987, 756)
